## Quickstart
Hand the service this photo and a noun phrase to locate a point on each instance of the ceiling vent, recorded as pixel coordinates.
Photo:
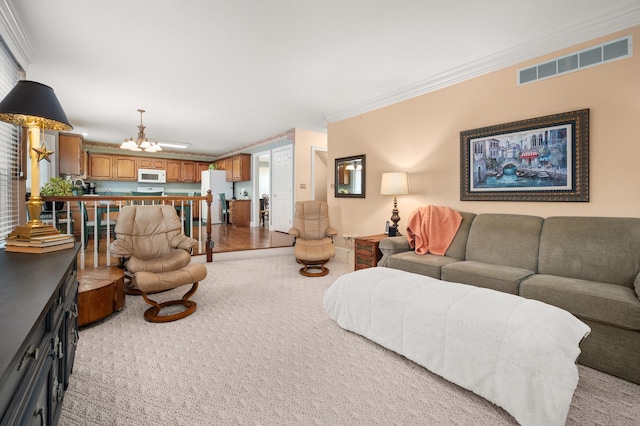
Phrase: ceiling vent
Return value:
(606, 52)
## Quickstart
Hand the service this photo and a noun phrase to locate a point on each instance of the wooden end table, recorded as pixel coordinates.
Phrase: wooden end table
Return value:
(367, 253)
(100, 293)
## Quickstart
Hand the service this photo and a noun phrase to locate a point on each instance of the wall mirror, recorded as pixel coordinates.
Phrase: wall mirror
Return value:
(350, 173)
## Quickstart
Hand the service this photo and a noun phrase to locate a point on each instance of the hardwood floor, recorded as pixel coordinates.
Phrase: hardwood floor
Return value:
(226, 238)
(231, 238)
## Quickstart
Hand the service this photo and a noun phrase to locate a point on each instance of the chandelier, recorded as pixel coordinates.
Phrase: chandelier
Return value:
(141, 144)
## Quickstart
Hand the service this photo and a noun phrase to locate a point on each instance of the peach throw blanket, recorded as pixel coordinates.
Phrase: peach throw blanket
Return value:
(432, 228)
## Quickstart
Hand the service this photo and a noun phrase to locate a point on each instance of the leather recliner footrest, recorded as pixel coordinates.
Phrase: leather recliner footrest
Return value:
(150, 282)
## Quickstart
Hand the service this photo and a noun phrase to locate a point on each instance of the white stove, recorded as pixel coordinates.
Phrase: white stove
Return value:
(150, 189)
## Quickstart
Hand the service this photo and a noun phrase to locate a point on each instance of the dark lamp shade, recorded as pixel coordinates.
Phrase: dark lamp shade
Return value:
(33, 104)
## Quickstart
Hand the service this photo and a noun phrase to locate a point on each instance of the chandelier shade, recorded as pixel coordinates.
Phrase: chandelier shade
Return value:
(142, 143)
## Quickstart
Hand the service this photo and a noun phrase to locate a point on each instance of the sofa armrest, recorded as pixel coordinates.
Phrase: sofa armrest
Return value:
(392, 245)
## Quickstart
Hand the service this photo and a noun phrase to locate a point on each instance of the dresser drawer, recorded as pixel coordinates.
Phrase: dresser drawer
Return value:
(24, 366)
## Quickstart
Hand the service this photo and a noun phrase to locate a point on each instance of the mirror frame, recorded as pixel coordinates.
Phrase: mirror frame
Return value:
(342, 162)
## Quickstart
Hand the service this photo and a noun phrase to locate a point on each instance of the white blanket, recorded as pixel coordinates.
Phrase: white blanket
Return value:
(515, 352)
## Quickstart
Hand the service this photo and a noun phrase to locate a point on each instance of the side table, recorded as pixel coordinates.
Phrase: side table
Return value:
(349, 238)
(100, 293)
(367, 253)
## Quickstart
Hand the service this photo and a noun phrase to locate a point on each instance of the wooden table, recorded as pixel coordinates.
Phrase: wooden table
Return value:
(367, 253)
(100, 293)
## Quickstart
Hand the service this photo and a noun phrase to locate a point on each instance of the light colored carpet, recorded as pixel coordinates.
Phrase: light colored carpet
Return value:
(260, 350)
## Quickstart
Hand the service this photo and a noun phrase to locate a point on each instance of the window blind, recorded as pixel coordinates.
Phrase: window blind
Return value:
(10, 204)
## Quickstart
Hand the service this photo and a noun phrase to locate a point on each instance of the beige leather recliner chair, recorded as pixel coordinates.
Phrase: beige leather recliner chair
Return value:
(313, 237)
(156, 256)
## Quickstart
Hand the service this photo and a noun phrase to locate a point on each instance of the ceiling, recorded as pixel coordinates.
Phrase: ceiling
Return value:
(222, 75)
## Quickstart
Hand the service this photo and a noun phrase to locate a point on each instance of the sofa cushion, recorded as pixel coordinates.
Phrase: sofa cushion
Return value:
(495, 277)
(394, 245)
(601, 249)
(424, 264)
(505, 239)
(458, 246)
(602, 302)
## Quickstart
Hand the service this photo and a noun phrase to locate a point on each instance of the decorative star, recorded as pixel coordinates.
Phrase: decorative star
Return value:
(43, 153)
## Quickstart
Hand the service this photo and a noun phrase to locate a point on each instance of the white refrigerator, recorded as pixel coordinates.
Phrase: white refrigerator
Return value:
(216, 181)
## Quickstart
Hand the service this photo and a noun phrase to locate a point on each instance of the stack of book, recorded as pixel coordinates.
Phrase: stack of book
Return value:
(40, 243)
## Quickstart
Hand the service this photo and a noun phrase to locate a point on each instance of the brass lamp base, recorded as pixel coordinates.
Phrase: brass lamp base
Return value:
(31, 230)
(35, 227)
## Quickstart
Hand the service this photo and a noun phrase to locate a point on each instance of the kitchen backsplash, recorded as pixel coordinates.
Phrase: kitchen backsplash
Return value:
(120, 187)
(125, 187)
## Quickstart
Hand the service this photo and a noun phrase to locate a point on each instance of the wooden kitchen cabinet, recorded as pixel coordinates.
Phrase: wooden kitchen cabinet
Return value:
(71, 158)
(221, 165)
(195, 210)
(100, 166)
(151, 163)
(174, 170)
(241, 168)
(238, 167)
(124, 168)
(181, 171)
(112, 167)
(227, 168)
(189, 171)
(240, 212)
(200, 167)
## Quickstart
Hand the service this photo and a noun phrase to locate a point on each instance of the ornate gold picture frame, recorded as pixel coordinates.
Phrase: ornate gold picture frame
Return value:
(539, 159)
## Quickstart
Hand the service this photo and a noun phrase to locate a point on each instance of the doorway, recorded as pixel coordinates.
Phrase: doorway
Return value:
(281, 204)
(319, 159)
(262, 185)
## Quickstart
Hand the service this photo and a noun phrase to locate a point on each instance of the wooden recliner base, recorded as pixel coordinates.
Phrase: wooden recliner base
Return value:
(318, 264)
(153, 313)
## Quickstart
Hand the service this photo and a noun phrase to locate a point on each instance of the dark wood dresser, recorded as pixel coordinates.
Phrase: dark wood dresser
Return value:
(38, 333)
(366, 251)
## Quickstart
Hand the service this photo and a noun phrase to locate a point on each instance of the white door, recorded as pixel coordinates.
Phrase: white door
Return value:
(281, 205)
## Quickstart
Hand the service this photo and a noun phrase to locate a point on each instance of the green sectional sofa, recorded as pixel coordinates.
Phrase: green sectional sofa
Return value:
(589, 266)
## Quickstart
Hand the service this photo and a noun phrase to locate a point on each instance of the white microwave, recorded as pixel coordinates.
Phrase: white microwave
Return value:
(152, 176)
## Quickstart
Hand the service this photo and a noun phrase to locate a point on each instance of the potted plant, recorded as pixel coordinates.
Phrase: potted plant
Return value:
(56, 187)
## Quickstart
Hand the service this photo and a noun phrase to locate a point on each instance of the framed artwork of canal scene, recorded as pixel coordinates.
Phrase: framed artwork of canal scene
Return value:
(539, 159)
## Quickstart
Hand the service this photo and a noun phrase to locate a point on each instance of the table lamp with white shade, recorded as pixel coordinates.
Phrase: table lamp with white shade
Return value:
(394, 183)
(35, 106)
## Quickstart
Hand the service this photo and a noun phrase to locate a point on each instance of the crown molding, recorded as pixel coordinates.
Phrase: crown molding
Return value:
(617, 20)
(287, 135)
(14, 37)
